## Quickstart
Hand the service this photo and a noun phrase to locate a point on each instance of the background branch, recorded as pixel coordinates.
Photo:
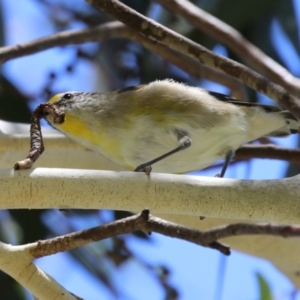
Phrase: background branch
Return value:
(157, 32)
(114, 30)
(234, 40)
(269, 152)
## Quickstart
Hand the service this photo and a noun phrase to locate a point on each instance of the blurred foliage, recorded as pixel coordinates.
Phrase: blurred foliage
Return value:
(264, 288)
(126, 63)
(13, 104)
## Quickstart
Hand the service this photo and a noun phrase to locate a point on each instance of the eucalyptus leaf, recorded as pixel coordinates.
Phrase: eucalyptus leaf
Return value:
(264, 288)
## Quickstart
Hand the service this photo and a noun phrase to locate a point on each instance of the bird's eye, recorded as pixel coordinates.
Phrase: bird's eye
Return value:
(67, 96)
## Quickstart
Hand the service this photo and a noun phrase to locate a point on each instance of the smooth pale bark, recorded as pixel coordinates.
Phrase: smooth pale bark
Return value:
(259, 200)
(17, 262)
(223, 199)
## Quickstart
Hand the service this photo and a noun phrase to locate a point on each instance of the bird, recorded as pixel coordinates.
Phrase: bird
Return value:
(167, 126)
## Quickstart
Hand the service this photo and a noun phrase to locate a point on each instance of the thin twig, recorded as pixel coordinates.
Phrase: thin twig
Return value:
(253, 229)
(157, 32)
(100, 33)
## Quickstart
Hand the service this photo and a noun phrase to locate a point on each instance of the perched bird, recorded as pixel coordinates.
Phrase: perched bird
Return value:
(168, 125)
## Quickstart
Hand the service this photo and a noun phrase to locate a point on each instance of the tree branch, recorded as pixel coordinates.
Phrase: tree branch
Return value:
(16, 261)
(57, 116)
(144, 222)
(233, 39)
(162, 193)
(148, 223)
(157, 32)
(101, 33)
(116, 29)
(269, 152)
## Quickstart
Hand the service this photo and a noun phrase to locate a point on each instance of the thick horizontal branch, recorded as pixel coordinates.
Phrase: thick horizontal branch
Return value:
(159, 33)
(266, 200)
(233, 39)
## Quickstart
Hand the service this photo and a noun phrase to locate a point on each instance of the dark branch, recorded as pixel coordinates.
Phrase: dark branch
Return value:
(147, 223)
(159, 33)
(268, 151)
(233, 39)
(144, 222)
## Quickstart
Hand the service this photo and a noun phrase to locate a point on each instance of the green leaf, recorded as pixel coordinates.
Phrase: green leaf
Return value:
(264, 288)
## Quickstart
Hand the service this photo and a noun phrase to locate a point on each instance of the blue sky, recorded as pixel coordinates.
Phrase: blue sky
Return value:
(194, 269)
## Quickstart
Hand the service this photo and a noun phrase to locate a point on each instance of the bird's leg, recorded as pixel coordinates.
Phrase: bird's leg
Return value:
(184, 142)
(228, 157)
